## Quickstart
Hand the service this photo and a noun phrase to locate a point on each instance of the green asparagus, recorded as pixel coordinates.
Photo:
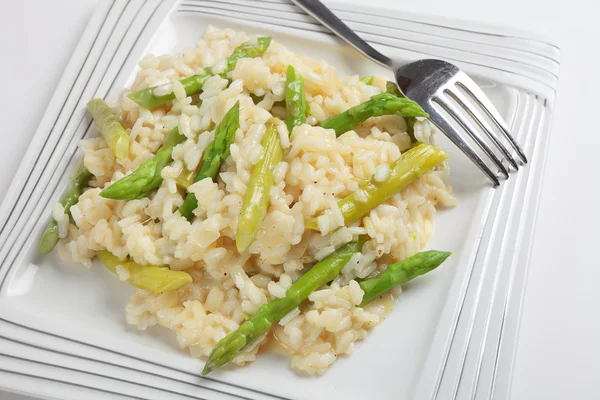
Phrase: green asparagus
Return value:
(256, 199)
(109, 125)
(147, 99)
(256, 99)
(295, 102)
(152, 278)
(367, 80)
(147, 176)
(50, 237)
(216, 152)
(193, 84)
(249, 49)
(409, 167)
(392, 88)
(401, 272)
(378, 105)
(321, 273)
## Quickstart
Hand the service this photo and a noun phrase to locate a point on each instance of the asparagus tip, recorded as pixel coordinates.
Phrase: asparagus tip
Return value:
(46, 248)
(186, 210)
(242, 244)
(439, 255)
(94, 101)
(106, 193)
(122, 147)
(266, 39)
(206, 370)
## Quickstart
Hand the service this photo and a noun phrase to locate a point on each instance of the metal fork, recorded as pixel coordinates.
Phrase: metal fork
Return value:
(430, 82)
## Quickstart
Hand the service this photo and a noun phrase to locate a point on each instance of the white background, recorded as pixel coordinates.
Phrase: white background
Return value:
(559, 348)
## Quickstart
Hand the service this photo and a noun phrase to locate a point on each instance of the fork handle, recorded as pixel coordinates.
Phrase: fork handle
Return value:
(318, 11)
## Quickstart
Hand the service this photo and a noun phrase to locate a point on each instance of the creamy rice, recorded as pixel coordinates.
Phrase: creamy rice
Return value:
(318, 169)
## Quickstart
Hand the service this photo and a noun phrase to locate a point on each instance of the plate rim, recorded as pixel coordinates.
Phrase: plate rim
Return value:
(66, 77)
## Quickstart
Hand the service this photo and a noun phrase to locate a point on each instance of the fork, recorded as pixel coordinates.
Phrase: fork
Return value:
(430, 82)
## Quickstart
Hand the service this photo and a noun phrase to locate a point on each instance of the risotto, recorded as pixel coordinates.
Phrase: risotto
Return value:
(318, 169)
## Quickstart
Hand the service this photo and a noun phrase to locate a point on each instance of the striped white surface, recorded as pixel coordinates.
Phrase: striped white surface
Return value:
(502, 267)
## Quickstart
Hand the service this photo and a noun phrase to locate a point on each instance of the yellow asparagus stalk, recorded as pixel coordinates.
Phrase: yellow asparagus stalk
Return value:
(185, 178)
(408, 168)
(109, 125)
(153, 278)
(256, 199)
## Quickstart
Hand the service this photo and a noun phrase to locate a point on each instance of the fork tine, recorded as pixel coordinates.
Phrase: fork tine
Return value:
(477, 94)
(442, 124)
(462, 101)
(466, 125)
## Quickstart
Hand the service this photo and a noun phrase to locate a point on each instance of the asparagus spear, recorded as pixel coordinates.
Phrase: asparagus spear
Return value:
(216, 152)
(295, 102)
(378, 105)
(186, 178)
(392, 88)
(409, 167)
(193, 84)
(147, 99)
(50, 237)
(256, 199)
(401, 272)
(153, 278)
(321, 273)
(109, 125)
(249, 49)
(147, 176)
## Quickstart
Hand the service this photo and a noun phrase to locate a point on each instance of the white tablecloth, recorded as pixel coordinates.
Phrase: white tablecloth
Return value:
(559, 347)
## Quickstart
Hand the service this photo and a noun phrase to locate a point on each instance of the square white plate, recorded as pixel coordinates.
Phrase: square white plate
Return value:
(65, 324)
